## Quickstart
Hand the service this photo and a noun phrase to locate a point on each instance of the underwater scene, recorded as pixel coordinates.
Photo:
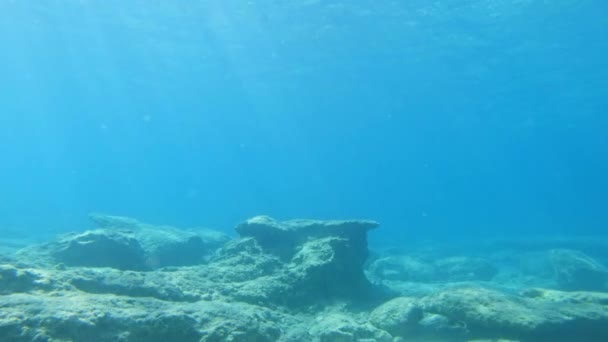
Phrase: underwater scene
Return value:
(304, 170)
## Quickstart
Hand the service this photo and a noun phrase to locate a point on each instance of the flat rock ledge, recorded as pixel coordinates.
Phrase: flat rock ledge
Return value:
(283, 237)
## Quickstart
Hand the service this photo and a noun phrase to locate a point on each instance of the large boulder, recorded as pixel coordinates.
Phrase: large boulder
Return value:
(536, 315)
(166, 245)
(327, 268)
(100, 248)
(404, 317)
(577, 271)
(318, 260)
(399, 316)
(127, 244)
(485, 312)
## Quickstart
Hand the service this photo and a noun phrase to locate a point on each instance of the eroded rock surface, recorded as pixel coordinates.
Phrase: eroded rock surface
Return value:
(536, 315)
(477, 313)
(575, 270)
(127, 244)
(283, 237)
(15, 280)
(75, 316)
(302, 261)
(101, 248)
(287, 281)
(99, 285)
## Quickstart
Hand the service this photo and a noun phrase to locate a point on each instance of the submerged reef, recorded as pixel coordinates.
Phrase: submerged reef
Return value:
(297, 280)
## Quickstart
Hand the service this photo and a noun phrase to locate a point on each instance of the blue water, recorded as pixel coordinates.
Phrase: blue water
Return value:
(439, 119)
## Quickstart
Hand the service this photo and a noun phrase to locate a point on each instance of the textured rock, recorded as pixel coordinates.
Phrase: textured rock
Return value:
(244, 259)
(438, 326)
(577, 271)
(126, 244)
(321, 270)
(304, 284)
(100, 248)
(13, 279)
(282, 238)
(540, 315)
(404, 317)
(399, 316)
(484, 311)
(160, 285)
(338, 327)
(328, 268)
(165, 245)
(319, 260)
(77, 317)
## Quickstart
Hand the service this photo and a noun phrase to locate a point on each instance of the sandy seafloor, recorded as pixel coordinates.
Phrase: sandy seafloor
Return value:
(298, 280)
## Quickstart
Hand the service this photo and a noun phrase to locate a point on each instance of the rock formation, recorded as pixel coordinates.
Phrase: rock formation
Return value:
(290, 281)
